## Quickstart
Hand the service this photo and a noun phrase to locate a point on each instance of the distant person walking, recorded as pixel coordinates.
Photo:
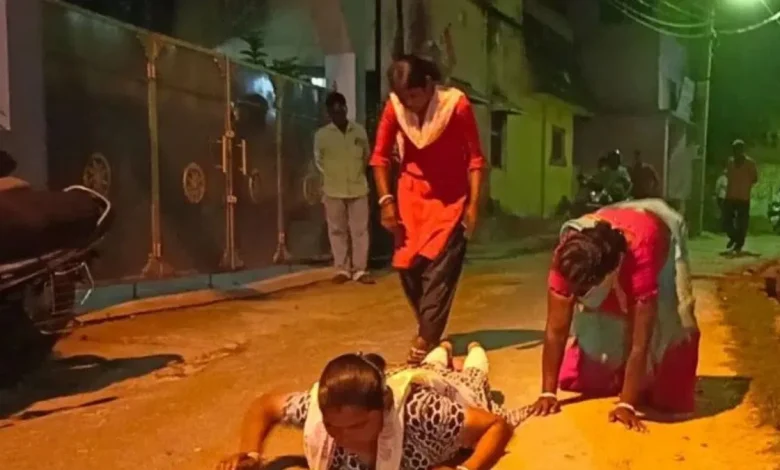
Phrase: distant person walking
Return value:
(742, 175)
(721, 186)
(644, 179)
(341, 153)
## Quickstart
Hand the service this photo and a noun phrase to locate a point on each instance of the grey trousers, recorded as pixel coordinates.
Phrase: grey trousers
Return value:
(348, 232)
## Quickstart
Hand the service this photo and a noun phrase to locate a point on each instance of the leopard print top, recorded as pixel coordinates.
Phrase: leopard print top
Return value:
(433, 424)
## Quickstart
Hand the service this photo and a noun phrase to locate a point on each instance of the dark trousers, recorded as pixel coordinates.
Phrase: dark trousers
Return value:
(430, 286)
(721, 203)
(736, 216)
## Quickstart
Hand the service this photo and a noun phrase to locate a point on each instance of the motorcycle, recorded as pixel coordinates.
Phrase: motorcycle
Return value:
(591, 196)
(773, 212)
(44, 270)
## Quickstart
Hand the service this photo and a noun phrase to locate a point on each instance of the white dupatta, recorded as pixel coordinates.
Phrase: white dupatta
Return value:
(319, 446)
(437, 117)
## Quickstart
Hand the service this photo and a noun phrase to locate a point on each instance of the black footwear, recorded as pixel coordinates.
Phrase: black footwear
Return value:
(341, 278)
(730, 245)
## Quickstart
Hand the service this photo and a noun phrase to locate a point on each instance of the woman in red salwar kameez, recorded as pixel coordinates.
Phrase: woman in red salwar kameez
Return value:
(439, 182)
(620, 285)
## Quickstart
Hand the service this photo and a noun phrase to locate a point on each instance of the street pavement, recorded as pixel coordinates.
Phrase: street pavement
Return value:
(167, 390)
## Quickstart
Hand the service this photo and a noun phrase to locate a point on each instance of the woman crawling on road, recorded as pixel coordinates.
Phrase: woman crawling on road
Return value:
(358, 417)
(635, 333)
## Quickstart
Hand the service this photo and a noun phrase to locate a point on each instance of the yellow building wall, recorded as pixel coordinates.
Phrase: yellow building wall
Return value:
(511, 8)
(557, 179)
(517, 187)
(528, 185)
(468, 30)
(469, 38)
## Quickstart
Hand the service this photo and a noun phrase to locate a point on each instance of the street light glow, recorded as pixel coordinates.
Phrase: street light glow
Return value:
(745, 3)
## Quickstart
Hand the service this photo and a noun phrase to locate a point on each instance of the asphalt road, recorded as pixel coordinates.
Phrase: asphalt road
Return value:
(167, 390)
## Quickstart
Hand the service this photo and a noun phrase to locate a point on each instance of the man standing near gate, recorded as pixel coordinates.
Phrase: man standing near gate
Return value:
(742, 175)
(341, 153)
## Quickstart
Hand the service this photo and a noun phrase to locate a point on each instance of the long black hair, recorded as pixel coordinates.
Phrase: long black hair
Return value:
(584, 258)
(411, 71)
(353, 380)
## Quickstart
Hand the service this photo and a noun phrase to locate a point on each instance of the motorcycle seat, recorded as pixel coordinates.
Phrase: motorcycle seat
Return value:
(38, 262)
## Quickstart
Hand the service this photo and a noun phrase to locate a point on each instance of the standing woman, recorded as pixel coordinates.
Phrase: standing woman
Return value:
(439, 182)
(635, 334)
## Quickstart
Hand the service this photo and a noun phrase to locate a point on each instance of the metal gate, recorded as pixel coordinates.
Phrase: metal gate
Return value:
(97, 127)
(207, 160)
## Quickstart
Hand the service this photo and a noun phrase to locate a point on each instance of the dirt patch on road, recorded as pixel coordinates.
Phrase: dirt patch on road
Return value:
(754, 317)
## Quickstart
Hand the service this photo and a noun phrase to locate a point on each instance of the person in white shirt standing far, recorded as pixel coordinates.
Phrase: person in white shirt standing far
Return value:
(341, 152)
(721, 186)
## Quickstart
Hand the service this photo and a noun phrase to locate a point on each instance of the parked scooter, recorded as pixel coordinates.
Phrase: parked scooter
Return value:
(49, 238)
(773, 212)
(590, 197)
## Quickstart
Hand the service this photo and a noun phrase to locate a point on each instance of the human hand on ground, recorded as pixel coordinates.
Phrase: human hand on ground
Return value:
(628, 418)
(545, 406)
(241, 461)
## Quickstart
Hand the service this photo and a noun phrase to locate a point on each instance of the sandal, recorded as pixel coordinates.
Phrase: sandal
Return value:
(416, 356)
(417, 352)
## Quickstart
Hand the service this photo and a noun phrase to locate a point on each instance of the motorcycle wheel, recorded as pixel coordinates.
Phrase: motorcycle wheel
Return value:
(24, 346)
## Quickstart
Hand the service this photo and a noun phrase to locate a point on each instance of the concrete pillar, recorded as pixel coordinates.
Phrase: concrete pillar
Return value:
(23, 128)
(344, 35)
(341, 75)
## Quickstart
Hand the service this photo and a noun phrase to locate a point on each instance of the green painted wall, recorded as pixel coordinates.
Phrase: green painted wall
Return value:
(525, 185)
(528, 185)
(558, 179)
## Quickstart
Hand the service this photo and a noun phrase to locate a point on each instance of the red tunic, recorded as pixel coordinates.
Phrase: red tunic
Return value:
(433, 185)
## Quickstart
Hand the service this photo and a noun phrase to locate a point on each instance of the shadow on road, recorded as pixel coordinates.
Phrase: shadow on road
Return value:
(741, 254)
(543, 245)
(492, 340)
(714, 396)
(286, 462)
(76, 375)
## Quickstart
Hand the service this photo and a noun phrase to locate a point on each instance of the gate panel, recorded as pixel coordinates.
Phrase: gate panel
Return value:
(97, 126)
(254, 96)
(191, 102)
(302, 115)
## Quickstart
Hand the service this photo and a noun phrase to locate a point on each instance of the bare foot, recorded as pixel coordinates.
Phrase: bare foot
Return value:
(473, 345)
